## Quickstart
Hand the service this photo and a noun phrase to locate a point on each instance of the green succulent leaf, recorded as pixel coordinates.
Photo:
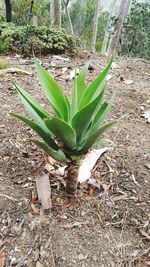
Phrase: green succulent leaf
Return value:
(74, 99)
(102, 113)
(32, 106)
(68, 103)
(94, 137)
(52, 91)
(92, 90)
(39, 130)
(83, 117)
(63, 131)
(81, 85)
(57, 155)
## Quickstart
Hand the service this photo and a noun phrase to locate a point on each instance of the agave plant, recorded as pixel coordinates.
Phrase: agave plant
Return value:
(77, 124)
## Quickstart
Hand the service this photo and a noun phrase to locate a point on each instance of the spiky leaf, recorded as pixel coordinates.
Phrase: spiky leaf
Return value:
(57, 155)
(92, 89)
(102, 113)
(32, 106)
(39, 130)
(93, 138)
(63, 131)
(81, 85)
(74, 99)
(52, 91)
(82, 118)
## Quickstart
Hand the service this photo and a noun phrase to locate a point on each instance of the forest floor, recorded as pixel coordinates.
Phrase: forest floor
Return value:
(109, 227)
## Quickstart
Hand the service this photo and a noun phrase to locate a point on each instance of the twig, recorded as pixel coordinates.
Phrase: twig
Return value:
(10, 198)
(29, 252)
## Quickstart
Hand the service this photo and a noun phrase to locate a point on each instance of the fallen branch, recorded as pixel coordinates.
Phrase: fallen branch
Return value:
(14, 70)
(8, 197)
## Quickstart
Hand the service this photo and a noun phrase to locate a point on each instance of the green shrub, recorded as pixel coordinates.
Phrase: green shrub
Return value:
(136, 41)
(42, 40)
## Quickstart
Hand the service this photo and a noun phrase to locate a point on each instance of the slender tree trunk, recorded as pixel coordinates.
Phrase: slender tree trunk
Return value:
(57, 13)
(115, 41)
(95, 25)
(52, 13)
(8, 10)
(108, 26)
(68, 15)
(72, 171)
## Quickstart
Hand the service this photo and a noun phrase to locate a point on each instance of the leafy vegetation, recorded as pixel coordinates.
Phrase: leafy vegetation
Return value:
(41, 39)
(21, 11)
(136, 41)
(83, 23)
(77, 124)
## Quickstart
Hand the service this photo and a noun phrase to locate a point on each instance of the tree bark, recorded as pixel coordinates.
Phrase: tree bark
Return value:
(68, 15)
(115, 42)
(108, 26)
(72, 171)
(95, 25)
(57, 13)
(52, 13)
(8, 10)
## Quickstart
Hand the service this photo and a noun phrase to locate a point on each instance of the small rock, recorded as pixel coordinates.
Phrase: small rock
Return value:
(94, 258)
(81, 257)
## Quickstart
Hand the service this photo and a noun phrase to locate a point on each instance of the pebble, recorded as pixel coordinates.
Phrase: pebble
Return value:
(81, 257)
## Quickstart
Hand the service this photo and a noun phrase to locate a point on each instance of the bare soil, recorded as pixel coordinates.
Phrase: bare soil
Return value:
(101, 228)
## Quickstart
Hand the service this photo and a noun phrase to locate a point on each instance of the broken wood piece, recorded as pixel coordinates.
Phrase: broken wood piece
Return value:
(14, 70)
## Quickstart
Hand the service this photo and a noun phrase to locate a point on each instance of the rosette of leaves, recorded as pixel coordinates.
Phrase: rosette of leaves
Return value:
(78, 123)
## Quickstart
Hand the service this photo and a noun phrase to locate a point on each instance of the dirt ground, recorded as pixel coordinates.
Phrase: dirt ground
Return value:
(102, 228)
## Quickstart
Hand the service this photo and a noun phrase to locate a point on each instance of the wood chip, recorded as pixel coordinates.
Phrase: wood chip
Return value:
(118, 198)
(74, 224)
(14, 70)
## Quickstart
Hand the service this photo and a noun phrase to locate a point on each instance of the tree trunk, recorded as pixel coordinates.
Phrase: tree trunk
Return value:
(57, 13)
(52, 13)
(8, 11)
(68, 15)
(72, 171)
(115, 42)
(95, 25)
(108, 26)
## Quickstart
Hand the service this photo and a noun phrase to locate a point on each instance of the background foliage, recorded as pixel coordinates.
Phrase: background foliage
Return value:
(135, 36)
(21, 11)
(42, 40)
(136, 40)
(82, 15)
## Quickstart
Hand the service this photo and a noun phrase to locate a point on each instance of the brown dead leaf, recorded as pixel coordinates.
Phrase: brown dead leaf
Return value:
(48, 167)
(44, 191)
(49, 163)
(95, 183)
(34, 209)
(88, 164)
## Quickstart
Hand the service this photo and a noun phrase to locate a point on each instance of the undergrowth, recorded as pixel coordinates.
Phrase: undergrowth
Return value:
(42, 39)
